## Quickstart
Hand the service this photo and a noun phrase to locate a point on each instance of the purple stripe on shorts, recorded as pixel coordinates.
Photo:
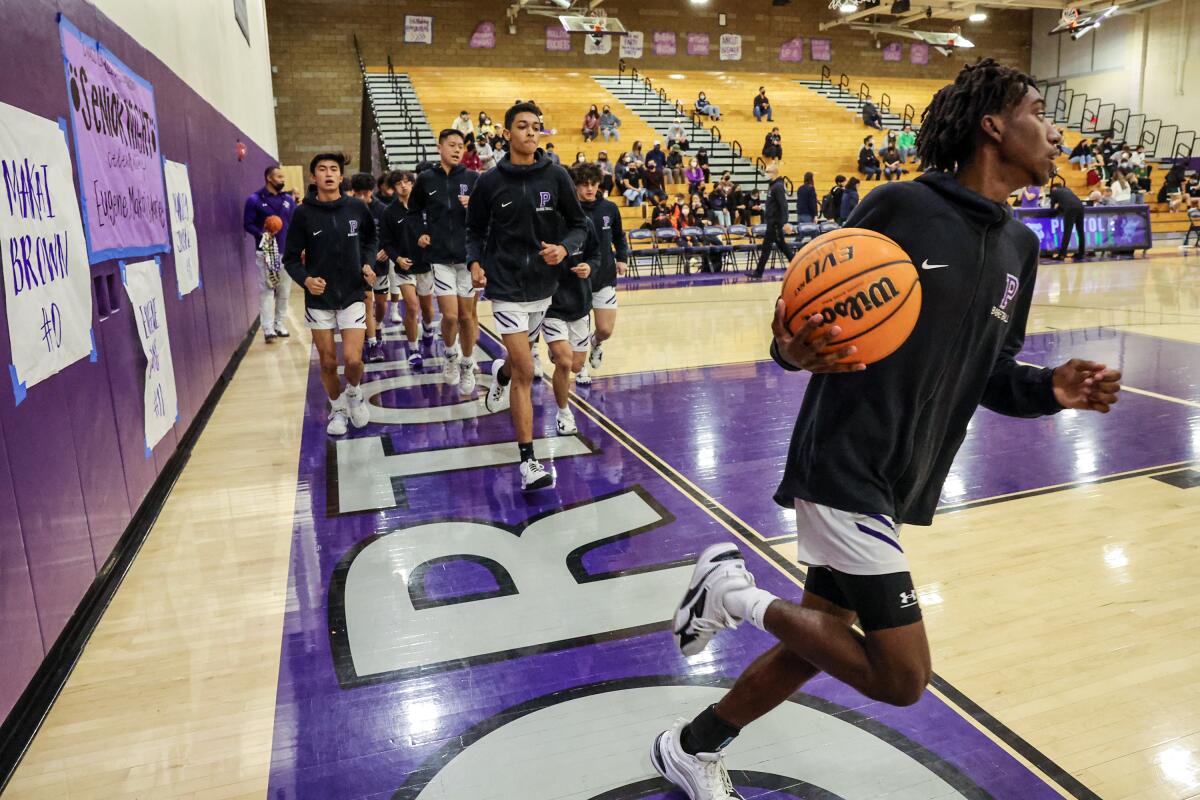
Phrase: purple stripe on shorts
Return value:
(883, 519)
(878, 536)
(504, 319)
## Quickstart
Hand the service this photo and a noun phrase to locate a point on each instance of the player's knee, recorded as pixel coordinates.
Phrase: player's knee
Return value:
(329, 363)
(521, 371)
(450, 317)
(904, 687)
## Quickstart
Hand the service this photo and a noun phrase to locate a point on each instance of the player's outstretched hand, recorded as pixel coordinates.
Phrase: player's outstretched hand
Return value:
(478, 278)
(368, 275)
(1086, 385)
(800, 352)
(582, 270)
(553, 254)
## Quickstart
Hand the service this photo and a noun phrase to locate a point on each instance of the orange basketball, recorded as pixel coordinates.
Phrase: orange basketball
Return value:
(859, 280)
(273, 224)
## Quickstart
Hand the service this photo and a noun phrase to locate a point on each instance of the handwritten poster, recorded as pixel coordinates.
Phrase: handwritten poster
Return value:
(664, 43)
(893, 52)
(918, 53)
(143, 284)
(631, 45)
(484, 37)
(697, 44)
(792, 50)
(731, 47)
(117, 150)
(557, 39)
(47, 284)
(183, 227)
(822, 49)
(418, 30)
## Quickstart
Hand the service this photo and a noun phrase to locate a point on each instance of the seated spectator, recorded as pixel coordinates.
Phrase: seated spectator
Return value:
(773, 145)
(487, 156)
(679, 202)
(550, 154)
(706, 108)
(675, 165)
(660, 214)
(1171, 192)
(1193, 191)
(606, 173)
(591, 124)
(681, 216)
(485, 122)
(906, 142)
(652, 180)
(868, 164)
(754, 207)
(762, 106)
(1138, 159)
(677, 134)
(657, 155)
(1107, 149)
(497, 140)
(849, 199)
(609, 125)
(462, 123)
(702, 160)
(628, 182)
(1100, 197)
(1122, 192)
(1030, 197)
(718, 201)
(893, 165)
(1124, 157)
(1081, 155)
(581, 157)
(831, 204)
(1137, 193)
(870, 114)
(694, 177)
(470, 158)
(636, 151)
(806, 200)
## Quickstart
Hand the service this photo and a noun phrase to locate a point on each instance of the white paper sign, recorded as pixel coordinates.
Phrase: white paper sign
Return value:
(731, 47)
(183, 227)
(47, 280)
(418, 30)
(143, 283)
(597, 46)
(631, 45)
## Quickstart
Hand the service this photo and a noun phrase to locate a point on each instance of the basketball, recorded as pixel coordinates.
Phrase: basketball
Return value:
(273, 224)
(859, 280)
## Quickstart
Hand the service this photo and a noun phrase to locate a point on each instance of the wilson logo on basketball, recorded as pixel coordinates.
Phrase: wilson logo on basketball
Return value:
(859, 304)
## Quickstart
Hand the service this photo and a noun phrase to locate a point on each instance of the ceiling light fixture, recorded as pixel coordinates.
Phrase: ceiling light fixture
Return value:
(848, 7)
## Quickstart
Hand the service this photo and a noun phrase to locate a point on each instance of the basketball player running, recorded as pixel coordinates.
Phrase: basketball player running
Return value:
(414, 277)
(442, 194)
(606, 223)
(523, 223)
(329, 251)
(872, 446)
(363, 187)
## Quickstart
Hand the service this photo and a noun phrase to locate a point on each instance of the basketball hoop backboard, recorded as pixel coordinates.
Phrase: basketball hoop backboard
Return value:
(601, 26)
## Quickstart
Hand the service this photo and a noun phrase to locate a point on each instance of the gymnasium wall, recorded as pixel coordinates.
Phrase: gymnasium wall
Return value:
(73, 462)
(1146, 61)
(319, 94)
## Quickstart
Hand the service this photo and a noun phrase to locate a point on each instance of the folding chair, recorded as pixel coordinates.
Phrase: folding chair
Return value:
(667, 243)
(718, 243)
(805, 232)
(829, 225)
(691, 239)
(759, 232)
(741, 240)
(641, 249)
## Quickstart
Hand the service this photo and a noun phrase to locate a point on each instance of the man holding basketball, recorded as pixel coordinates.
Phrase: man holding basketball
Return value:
(270, 201)
(872, 445)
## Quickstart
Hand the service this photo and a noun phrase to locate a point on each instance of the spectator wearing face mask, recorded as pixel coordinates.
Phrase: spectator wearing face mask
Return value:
(706, 108)
(591, 124)
(610, 125)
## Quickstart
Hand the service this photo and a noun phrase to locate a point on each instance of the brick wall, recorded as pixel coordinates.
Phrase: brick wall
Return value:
(319, 96)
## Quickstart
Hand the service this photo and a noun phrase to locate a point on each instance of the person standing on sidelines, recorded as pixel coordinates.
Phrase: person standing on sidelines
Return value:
(523, 223)
(606, 266)
(775, 217)
(441, 194)
(414, 277)
(271, 200)
(329, 251)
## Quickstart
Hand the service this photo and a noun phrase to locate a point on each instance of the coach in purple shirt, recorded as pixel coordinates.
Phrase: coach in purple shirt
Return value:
(271, 200)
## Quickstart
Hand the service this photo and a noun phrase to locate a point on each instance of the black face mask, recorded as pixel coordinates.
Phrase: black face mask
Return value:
(277, 187)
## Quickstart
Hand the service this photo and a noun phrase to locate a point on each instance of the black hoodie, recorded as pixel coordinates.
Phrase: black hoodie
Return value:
(514, 209)
(337, 239)
(573, 298)
(435, 194)
(882, 440)
(776, 210)
(398, 232)
(606, 223)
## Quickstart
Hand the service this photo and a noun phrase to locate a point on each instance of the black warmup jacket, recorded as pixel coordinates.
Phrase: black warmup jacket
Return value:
(337, 239)
(775, 212)
(606, 225)
(806, 200)
(516, 207)
(435, 195)
(377, 207)
(882, 440)
(398, 233)
(573, 298)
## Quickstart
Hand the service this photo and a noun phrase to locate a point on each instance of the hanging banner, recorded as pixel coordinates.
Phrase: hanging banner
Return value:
(697, 44)
(893, 52)
(731, 47)
(597, 45)
(143, 284)
(183, 227)
(43, 253)
(792, 50)
(117, 150)
(918, 53)
(557, 39)
(418, 30)
(822, 49)
(664, 43)
(484, 37)
(631, 45)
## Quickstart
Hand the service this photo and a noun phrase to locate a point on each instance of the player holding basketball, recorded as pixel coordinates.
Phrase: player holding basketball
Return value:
(873, 445)
(329, 251)
(606, 222)
(398, 233)
(522, 224)
(442, 194)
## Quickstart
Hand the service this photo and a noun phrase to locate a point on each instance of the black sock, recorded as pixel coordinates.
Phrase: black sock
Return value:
(526, 449)
(504, 376)
(707, 733)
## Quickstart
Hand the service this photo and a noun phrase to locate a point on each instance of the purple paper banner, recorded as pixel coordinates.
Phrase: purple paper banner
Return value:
(893, 52)
(792, 50)
(484, 36)
(822, 49)
(116, 149)
(557, 38)
(697, 44)
(664, 43)
(918, 53)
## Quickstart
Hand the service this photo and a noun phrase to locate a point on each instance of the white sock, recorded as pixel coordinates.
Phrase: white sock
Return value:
(452, 352)
(412, 345)
(351, 390)
(749, 604)
(563, 410)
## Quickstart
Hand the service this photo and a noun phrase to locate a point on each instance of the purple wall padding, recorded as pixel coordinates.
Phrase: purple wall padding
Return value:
(73, 467)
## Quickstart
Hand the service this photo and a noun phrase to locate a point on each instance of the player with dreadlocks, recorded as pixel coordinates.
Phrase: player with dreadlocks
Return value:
(872, 445)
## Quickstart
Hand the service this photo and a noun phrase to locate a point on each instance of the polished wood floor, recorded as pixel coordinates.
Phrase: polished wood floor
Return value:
(1086, 644)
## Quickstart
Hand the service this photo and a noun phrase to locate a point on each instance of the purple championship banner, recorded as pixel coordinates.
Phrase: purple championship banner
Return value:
(116, 149)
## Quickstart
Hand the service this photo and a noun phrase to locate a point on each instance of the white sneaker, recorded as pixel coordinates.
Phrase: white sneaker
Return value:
(281, 330)
(466, 380)
(360, 412)
(701, 614)
(338, 421)
(428, 331)
(497, 397)
(583, 378)
(395, 317)
(450, 369)
(596, 357)
(565, 422)
(414, 358)
(702, 776)
(537, 366)
(534, 476)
